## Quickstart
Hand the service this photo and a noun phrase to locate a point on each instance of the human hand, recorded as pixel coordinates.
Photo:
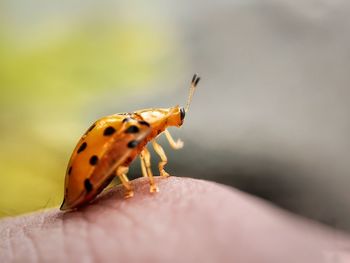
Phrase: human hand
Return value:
(187, 221)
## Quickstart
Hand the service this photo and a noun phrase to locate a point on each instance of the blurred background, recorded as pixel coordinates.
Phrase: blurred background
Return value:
(270, 117)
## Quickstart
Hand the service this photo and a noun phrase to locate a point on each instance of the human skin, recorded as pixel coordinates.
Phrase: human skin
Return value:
(187, 221)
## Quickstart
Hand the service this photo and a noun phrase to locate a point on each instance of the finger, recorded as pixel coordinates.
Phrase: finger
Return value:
(189, 220)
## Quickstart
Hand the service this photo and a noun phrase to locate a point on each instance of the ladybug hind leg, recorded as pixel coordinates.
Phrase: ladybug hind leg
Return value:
(121, 173)
(145, 157)
(159, 150)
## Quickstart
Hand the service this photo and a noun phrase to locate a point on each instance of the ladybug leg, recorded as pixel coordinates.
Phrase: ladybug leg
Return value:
(175, 145)
(121, 173)
(159, 150)
(146, 160)
(143, 166)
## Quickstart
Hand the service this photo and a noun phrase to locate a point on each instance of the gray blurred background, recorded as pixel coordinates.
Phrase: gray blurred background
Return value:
(270, 116)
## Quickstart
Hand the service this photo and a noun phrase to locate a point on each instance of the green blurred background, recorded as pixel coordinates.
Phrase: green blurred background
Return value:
(59, 62)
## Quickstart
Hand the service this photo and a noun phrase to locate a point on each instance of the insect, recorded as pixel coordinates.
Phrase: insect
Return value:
(110, 145)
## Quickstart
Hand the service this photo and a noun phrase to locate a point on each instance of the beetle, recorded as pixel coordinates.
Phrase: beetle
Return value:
(109, 146)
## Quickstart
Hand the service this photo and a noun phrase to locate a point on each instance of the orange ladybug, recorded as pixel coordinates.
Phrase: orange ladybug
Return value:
(109, 146)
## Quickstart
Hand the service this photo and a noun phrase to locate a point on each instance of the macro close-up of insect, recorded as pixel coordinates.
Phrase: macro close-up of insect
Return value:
(110, 145)
(98, 166)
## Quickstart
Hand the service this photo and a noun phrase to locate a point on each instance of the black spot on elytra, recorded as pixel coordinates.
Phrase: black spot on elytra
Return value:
(127, 119)
(133, 144)
(87, 185)
(93, 160)
(132, 129)
(70, 170)
(144, 123)
(108, 131)
(82, 147)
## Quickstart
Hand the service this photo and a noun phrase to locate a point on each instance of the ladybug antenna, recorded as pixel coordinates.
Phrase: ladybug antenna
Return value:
(194, 83)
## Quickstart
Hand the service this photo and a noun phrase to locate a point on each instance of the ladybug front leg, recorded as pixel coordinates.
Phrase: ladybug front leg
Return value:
(121, 173)
(175, 145)
(159, 150)
(146, 163)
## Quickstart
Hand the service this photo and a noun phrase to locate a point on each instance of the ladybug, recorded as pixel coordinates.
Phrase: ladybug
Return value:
(110, 145)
